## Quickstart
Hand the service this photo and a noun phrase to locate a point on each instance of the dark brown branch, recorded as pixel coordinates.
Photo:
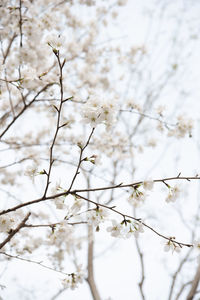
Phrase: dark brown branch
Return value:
(172, 240)
(14, 231)
(121, 185)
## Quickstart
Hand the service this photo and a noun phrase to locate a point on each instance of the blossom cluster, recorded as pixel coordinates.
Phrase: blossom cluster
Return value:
(125, 229)
(184, 126)
(6, 223)
(137, 197)
(62, 234)
(72, 280)
(171, 246)
(173, 194)
(97, 216)
(98, 110)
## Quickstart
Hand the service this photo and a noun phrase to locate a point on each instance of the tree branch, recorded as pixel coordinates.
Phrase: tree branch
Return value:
(14, 231)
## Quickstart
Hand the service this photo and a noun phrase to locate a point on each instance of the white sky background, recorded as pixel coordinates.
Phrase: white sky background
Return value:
(117, 271)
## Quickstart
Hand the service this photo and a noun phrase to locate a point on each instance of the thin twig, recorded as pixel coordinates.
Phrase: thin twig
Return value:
(34, 262)
(51, 161)
(121, 185)
(170, 239)
(80, 158)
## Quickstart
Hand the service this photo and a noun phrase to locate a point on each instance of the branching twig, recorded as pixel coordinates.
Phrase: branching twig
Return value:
(80, 158)
(51, 161)
(172, 240)
(121, 185)
(75, 193)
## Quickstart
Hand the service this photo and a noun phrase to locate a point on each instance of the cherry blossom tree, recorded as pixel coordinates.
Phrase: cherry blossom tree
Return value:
(99, 149)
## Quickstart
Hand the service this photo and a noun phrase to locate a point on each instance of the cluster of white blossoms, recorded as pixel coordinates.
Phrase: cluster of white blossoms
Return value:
(61, 234)
(184, 126)
(31, 171)
(7, 223)
(60, 203)
(113, 145)
(75, 204)
(76, 207)
(72, 280)
(171, 246)
(30, 79)
(125, 229)
(174, 193)
(97, 111)
(137, 197)
(97, 216)
(139, 193)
